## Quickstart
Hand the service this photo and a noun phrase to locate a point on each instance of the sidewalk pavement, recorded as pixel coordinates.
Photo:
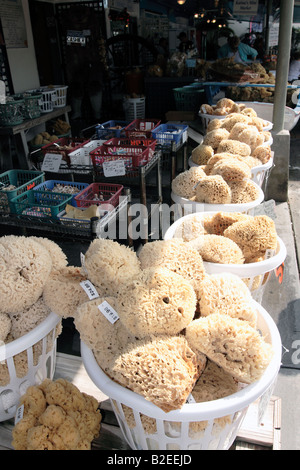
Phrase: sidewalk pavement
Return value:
(283, 303)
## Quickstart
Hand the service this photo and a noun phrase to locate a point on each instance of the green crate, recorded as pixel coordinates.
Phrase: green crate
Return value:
(22, 180)
(31, 104)
(188, 98)
(40, 203)
(11, 112)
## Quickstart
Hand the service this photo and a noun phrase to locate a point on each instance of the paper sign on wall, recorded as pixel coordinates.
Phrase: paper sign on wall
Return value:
(245, 7)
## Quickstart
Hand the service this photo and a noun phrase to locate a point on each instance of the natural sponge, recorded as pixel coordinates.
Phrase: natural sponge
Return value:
(107, 339)
(25, 321)
(57, 416)
(176, 255)
(231, 170)
(59, 258)
(110, 264)
(213, 190)
(158, 301)
(63, 292)
(218, 249)
(220, 221)
(5, 327)
(213, 384)
(234, 147)
(247, 134)
(232, 344)
(161, 369)
(202, 153)
(263, 153)
(226, 294)
(189, 228)
(254, 236)
(213, 138)
(243, 191)
(25, 266)
(184, 184)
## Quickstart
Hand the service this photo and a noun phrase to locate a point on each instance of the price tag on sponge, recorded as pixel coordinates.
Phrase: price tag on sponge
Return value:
(108, 311)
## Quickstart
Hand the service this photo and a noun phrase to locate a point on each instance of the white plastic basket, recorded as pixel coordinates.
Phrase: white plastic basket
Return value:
(191, 207)
(60, 97)
(36, 352)
(134, 108)
(47, 100)
(258, 173)
(255, 275)
(174, 430)
(265, 111)
(206, 118)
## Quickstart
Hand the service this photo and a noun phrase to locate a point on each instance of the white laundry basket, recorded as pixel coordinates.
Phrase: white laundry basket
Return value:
(26, 361)
(255, 275)
(48, 98)
(134, 108)
(196, 426)
(265, 111)
(60, 97)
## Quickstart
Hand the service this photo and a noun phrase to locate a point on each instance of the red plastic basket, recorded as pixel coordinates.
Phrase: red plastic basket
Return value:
(64, 145)
(141, 128)
(99, 194)
(133, 157)
(127, 144)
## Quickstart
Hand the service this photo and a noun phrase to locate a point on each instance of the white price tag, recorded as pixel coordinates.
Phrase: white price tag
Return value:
(82, 259)
(269, 253)
(52, 162)
(89, 289)
(114, 168)
(19, 414)
(190, 399)
(108, 312)
(184, 137)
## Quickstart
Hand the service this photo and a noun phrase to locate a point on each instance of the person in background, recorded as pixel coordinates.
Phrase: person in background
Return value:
(259, 45)
(163, 47)
(185, 44)
(240, 51)
(294, 69)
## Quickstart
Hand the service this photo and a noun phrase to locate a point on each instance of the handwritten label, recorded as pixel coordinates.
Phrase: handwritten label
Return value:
(89, 289)
(115, 168)
(19, 414)
(52, 162)
(108, 312)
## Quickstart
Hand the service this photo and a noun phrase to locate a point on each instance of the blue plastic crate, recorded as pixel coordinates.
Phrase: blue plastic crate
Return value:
(105, 131)
(165, 134)
(50, 184)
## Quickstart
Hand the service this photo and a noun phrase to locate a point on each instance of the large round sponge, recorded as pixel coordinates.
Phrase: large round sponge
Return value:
(109, 265)
(158, 301)
(25, 266)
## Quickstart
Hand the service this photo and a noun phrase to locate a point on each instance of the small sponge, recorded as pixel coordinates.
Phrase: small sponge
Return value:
(163, 370)
(232, 344)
